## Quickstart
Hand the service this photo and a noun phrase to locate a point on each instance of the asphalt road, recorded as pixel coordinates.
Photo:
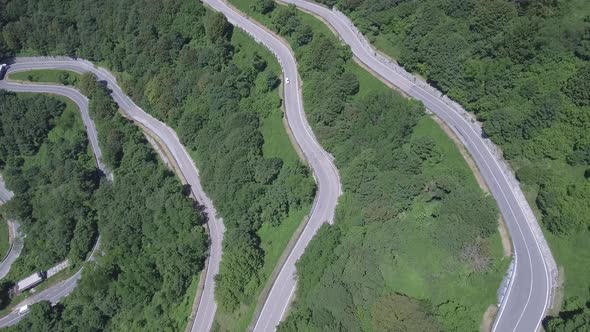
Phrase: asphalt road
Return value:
(5, 194)
(17, 242)
(165, 135)
(321, 163)
(15, 249)
(68, 92)
(529, 293)
(52, 294)
(60, 290)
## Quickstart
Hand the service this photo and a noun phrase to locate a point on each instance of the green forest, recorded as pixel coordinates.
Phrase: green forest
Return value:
(523, 68)
(415, 245)
(153, 244)
(217, 88)
(47, 163)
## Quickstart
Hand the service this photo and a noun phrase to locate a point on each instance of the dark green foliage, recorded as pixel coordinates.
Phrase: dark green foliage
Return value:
(285, 20)
(263, 6)
(569, 321)
(303, 34)
(218, 28)
(53, 179)
(152, 243)
(397, 312)
(385, 172)
(43, 317)
(180, 64)
(25, 124)
(523, 68)
(239, 270)
(578, 87)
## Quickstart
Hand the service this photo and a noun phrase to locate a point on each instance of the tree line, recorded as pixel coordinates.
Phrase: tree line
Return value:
(390, 172)
(46, 161)
(522, 68)
(153, 244)
(177, 60)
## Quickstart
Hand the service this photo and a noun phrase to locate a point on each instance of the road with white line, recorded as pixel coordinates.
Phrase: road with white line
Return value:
(166, 136)
(16, 238)
(58, 291)
(528, 296)
(320, 162)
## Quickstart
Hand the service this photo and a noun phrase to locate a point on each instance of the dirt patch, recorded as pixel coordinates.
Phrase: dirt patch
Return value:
(488, 319)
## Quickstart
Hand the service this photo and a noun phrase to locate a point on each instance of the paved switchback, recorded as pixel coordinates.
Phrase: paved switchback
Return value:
(528, 296)
(321, 163)
(16, 246)
(164, 133)
(58, 291)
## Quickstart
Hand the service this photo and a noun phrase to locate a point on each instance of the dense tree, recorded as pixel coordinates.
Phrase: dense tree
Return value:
(217, 27)
(180, 63)
(388, 173)
(152, 241)
(578, 87)
(523, 68)
(263, 6)
(397, 312)
(45, 162)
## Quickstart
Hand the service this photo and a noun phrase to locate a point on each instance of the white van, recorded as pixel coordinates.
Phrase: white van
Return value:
(24, 309)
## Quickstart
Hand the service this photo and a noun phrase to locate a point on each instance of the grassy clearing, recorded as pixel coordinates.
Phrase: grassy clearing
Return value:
(64, 77)
(421, 268)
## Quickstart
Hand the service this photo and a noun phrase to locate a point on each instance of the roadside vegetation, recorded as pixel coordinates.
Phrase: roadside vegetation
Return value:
(218, 89)
(4, 237)
(415, 245)
(63, 77)
(522, 68)
(153, 244)
(47, 163)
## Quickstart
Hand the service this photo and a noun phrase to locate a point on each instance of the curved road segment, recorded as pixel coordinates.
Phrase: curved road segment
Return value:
(321, 163)
(528, 296)
(17, 239)
(164, 133)
(16, 247)
(56, 292)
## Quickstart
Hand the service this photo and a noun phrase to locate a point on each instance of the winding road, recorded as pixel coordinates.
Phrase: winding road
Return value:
(528, 296)
(321, 163)
(163, 133)
(529, 291)
(58, 291)
(16, 246)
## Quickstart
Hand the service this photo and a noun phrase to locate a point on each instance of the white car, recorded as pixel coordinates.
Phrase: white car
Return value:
(287, 80)
(24, 309)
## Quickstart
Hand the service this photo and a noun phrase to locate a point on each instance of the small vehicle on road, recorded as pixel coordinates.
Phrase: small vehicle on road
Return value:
(287, 80)
(24, 309)
(3, 68)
